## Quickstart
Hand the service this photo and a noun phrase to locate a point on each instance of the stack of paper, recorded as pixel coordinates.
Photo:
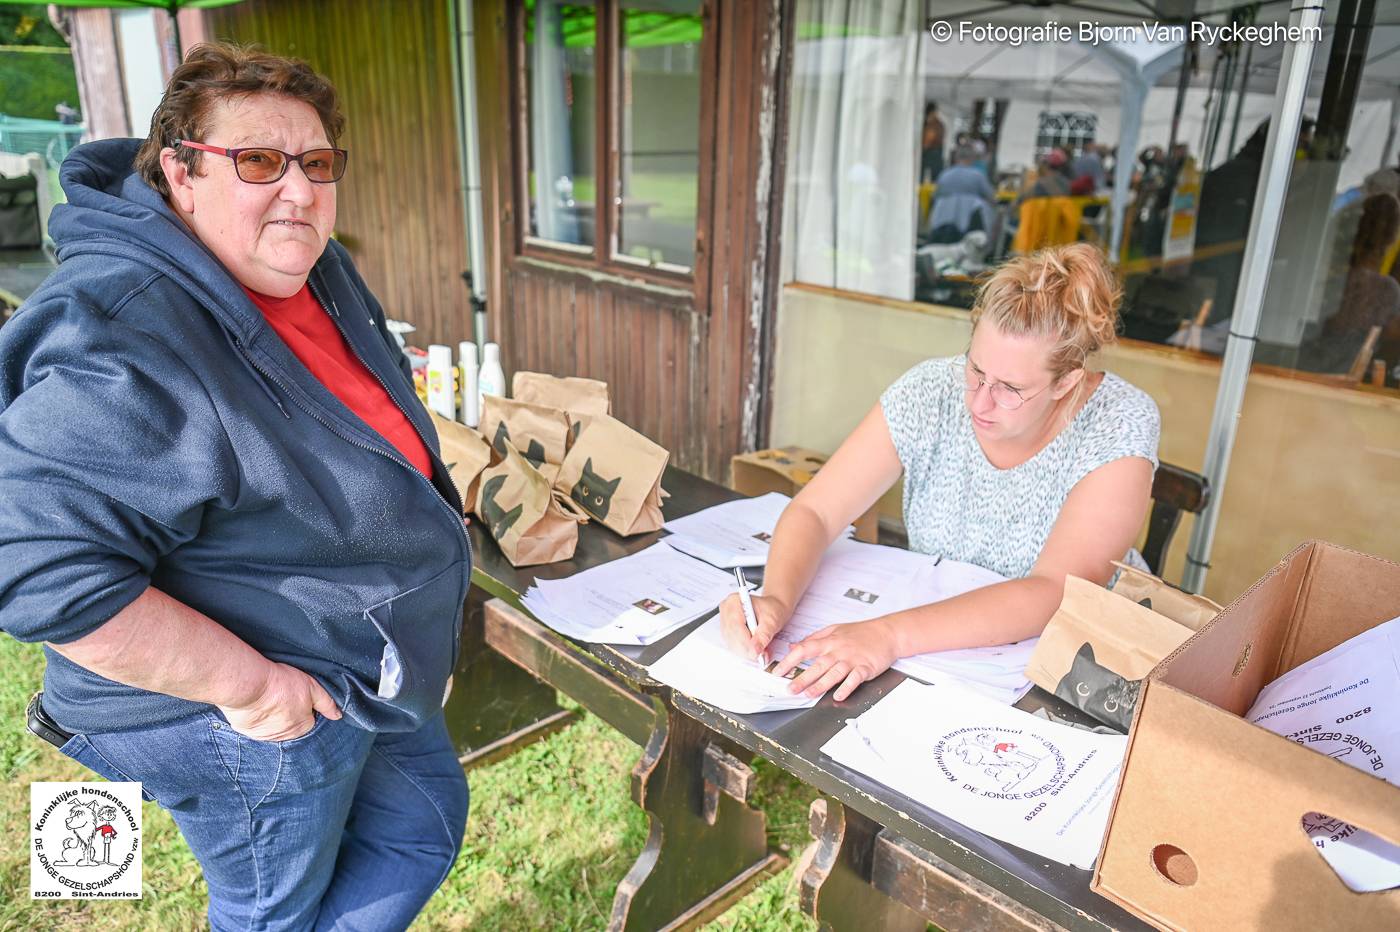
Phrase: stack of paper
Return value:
(634, 600)
(1045, 787)
(732, 534)
(999, 673)
(703, 666)
(1346, 704)
(857, 582)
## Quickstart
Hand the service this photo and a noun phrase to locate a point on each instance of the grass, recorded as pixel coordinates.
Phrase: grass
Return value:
(552, 831)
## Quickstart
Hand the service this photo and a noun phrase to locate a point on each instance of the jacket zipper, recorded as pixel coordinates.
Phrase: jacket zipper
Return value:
(458, 519)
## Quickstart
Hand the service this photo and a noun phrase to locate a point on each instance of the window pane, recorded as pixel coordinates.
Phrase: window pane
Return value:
(561, 88)
(659, 129)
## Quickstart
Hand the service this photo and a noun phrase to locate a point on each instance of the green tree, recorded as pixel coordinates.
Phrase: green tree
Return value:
(32, 83)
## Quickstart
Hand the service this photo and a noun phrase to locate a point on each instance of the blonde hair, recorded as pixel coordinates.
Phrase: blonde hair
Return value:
(1065, 293)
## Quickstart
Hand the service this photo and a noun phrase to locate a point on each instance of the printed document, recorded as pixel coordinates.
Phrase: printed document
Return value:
(704, 667)
(1042, 786)
(1346, 704)
(732, 534)
(635, 600)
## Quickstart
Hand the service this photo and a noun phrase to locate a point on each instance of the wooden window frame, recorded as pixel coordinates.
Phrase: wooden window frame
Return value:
(603, 255)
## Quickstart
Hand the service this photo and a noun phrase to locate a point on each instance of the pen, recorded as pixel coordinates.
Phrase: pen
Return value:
(750, 621)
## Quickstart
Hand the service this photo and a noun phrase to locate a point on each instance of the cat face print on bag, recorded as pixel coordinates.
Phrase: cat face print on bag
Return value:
(594, 492)
(497, 520)
(534, 453)
(1099, 691)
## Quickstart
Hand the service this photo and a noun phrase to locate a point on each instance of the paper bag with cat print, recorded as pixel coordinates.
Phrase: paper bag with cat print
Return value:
(466, 453)
(574, 395)
(530, 521)
(614, 473)
(539, 432)
(1097, 648)
(1184, 608)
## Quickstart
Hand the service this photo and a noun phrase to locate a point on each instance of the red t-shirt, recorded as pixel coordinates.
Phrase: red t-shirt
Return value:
(309, 332)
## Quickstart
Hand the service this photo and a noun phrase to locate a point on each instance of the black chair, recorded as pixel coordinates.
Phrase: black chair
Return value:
(1174, 490)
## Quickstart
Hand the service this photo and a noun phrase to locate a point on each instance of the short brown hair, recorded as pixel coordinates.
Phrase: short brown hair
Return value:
(217, 71)
(1066, 293)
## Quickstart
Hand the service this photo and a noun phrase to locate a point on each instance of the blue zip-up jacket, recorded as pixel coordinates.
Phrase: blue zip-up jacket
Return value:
(155, 430)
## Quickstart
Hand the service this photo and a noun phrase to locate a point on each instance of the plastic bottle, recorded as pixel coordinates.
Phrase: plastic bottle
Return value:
(440, 396)
(471, 400)
(491, 380)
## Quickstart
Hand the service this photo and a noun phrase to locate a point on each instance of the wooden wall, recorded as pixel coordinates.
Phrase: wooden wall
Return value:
(400, 206)
(687, 362)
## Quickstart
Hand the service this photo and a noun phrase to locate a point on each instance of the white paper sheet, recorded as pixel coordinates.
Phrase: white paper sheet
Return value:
(857, 582)
(1346, 704)
(634, 600)
(732, 534)
(704, 667)
(1018, 778)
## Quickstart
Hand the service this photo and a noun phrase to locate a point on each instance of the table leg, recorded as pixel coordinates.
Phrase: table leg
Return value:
(836, 887)
(706, 847)
(495, 708)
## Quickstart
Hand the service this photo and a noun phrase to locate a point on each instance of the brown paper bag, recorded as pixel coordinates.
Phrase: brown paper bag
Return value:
(466, 454)
(530, 521)
(541, 433)
(615, 474)
(571, 394)
(1097, 648)
(1147, 590)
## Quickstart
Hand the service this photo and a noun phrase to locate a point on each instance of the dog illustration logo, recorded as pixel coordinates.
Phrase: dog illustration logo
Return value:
(860, 595)
(85, 840)
(1004, 761)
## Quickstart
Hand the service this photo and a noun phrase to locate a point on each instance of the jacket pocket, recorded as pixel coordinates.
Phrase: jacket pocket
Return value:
(420, 629)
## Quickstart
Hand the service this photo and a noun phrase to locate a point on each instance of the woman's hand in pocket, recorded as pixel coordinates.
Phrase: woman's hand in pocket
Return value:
(283, 707)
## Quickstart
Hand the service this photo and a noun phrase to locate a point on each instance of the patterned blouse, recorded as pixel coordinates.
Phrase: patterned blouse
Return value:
(959, 505)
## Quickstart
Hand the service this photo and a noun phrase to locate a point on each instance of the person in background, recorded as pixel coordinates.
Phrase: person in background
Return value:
(1016, 456)
(222, 509)
(1087, 171)
(1052, 178)
(963, 201)
(1369, 299)
(931, 160)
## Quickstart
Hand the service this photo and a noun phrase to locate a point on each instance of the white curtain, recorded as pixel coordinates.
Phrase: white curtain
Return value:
(857, 115)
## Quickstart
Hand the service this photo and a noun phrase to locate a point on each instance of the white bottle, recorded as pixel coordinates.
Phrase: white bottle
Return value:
(491, 380)
(440, 396)
(471, 402)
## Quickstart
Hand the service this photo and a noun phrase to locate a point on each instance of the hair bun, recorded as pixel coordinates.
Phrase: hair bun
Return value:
(1064, 293)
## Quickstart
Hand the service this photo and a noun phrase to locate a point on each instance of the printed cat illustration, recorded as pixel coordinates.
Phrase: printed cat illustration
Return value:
(501, 439)
(534, 452)
(499, 521)
(1099, 691)
(594, 492)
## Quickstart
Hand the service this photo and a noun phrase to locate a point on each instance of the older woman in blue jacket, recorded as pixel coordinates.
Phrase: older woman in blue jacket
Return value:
(222, 509)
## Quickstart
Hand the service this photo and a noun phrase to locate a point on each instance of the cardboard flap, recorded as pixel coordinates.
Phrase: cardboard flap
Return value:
(1235, 655)
(1245, 866)
(1336, 609)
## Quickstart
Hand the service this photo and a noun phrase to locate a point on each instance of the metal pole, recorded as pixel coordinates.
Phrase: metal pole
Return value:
(1259, 254)
(469, 156)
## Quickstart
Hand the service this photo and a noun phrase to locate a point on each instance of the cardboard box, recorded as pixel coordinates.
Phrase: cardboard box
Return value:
(787, 470)
(1205, 832)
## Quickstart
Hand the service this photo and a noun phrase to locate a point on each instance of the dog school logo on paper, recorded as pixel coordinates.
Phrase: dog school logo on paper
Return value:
(85, 841)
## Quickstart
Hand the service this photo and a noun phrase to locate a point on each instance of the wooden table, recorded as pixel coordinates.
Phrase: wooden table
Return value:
(882, 861)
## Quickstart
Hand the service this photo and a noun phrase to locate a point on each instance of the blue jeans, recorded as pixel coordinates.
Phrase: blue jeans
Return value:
(338, 829)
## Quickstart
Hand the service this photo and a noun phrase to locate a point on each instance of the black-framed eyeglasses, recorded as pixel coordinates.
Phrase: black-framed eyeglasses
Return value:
(262, 165)
(1003, 395)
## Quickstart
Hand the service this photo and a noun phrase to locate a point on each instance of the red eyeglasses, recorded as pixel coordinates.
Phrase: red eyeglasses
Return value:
(262, 165)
